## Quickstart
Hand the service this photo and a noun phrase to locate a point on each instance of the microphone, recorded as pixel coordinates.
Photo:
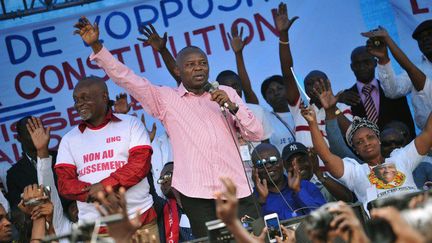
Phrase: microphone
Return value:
(212, 87)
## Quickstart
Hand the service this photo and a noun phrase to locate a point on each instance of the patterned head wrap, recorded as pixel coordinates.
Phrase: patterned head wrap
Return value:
(358, 123)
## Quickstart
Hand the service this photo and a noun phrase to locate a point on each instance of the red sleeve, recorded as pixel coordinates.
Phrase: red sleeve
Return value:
(68, 184)
(136, 169)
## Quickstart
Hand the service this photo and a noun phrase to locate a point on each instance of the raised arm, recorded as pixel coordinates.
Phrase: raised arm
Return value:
(283, 24)
(237, 45)
(159, 44)
(40, 137)
(423, 142)
(418, 78)
(333, 163)
(140, 88)
(323, 91)
(336, 189)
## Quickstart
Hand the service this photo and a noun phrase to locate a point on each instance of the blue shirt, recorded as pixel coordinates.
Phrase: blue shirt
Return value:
(422, 174)
(308, 196)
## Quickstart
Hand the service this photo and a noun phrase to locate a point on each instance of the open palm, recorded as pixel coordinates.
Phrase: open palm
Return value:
(88, 32)
(283, 23)
(40, 136)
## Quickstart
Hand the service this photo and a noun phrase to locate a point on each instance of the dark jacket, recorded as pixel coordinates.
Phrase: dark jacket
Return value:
(20, 175)
(389, 110)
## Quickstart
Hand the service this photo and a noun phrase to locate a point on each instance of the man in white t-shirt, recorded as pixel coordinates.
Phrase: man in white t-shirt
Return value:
(105, 150)
(313, 82)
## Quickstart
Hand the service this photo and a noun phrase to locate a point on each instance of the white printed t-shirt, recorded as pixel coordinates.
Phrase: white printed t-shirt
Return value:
(302, 130)
(96, 153)
(281, 136)
(367, 185)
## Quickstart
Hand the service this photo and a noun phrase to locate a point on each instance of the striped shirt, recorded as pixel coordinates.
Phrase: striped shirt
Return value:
(203, 149)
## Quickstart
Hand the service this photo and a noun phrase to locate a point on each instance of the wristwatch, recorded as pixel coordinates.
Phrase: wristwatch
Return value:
(234, 111)
(337, 112)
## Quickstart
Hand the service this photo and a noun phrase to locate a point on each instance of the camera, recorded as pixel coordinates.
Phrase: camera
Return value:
(319, 220)
(37, 201)
(376, 42)
(419, 218)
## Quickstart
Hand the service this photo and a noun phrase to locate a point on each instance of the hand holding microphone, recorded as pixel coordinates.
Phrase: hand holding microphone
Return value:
(220, 97)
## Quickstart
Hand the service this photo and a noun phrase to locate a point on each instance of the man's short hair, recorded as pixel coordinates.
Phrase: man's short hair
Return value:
(425, 25)
(266, 83)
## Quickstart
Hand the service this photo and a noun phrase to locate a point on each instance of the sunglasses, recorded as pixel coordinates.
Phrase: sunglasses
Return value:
(272, 160)
(164, 178)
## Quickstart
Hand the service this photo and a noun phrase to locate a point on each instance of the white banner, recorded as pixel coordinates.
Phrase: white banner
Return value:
(41, 62)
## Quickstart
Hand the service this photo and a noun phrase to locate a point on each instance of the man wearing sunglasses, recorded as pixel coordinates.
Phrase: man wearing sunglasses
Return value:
(288, 196)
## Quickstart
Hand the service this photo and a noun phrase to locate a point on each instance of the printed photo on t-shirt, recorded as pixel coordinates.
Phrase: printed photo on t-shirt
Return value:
(386, 176)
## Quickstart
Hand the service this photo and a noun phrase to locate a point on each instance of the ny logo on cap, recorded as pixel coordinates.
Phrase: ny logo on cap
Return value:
(293, 147)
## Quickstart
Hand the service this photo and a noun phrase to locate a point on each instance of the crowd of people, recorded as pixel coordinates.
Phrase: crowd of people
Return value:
(222, 155)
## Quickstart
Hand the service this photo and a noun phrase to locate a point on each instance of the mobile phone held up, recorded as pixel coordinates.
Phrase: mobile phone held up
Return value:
(273, 226)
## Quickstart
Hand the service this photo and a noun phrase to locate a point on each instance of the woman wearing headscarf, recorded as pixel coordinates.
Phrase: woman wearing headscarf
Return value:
(367, 180)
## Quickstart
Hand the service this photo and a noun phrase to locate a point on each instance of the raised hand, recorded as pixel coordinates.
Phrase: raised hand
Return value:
(222, 98)
(236, 40)
(88, 32)
(323, 91)
(348, 97)
(40, 136)
(308, 113)
(45, 210)
(283, 23)
(402, 230)
(313, 157)
(121, 105)
(346, 224)
(376, 45)
(111, 203)
(261, 186)
(31, 193)
(152, 132)
(294, 178)
(226, 208)
(289, 236)
(153, 38)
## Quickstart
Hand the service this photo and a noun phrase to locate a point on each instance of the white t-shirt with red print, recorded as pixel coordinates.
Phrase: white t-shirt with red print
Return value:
(96, 153)
(302, 130)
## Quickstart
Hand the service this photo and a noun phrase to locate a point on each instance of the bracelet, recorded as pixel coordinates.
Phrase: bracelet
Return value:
(337, 112)
(284, 43)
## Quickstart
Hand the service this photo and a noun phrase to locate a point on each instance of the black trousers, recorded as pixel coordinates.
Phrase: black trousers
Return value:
(200, 211)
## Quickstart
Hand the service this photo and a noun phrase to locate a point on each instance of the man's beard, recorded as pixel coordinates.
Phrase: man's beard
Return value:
(85, 116)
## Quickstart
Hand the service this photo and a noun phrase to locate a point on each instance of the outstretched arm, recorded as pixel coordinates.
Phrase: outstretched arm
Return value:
(333, 163)
(418, 78)
(237, 45)
(323, 90)
(140, 88)
(423, 142)
(283, 24)
(159, 44)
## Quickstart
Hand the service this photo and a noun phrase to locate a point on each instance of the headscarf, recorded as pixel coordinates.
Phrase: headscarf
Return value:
(358, 123)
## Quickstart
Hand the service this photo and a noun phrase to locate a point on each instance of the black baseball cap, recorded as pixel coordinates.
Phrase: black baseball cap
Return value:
(425, 25)
(293, 148)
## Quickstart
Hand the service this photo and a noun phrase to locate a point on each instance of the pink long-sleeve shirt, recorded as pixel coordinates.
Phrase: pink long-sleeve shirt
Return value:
(203, 148)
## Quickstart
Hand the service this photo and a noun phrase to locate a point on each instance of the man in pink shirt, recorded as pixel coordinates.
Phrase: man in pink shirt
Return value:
(203, 148)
